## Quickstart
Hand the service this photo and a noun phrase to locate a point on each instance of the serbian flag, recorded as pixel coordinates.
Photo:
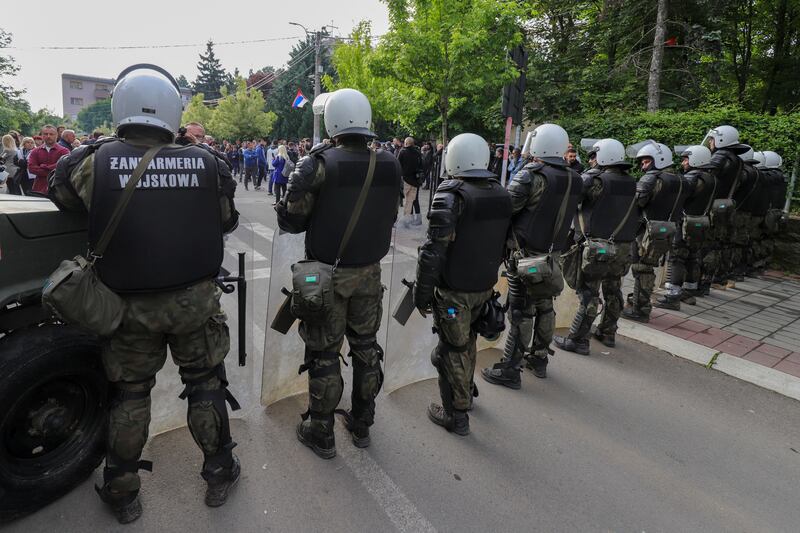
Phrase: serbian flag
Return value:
(299, 100)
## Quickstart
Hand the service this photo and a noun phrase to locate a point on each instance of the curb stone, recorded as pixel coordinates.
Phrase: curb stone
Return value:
(764, 377)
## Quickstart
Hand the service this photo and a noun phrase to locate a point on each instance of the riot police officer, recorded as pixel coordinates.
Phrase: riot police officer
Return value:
(166, 278)
(457, 270)
(745, 196)
(775, 218)
(726, 165)
(544, 197)
(660, 194)
(322, 194)
(685, 259)
(608, 215)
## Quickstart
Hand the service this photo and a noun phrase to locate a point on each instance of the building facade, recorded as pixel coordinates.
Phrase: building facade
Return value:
(78, 91)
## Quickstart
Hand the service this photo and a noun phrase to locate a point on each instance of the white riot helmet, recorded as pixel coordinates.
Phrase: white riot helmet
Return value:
(748, 156)
(549, 143)
(699, 156)
(773, 159)
(146, 95)
(609, 152)
(761, 159)
(467, 155)
(347, 111)
(659, 153)
(723, 136)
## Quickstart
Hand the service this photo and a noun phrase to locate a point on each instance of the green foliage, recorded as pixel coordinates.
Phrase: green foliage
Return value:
(290, 122)
(446, 55)
(96, 115)
(211, 77)
(241, 115)
(778, 132)
(197, 111)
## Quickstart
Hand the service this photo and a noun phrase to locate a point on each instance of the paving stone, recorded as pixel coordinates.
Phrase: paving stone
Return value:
(786, 336)
(774, 351)
(708, 321)
(711, 337)
(657, 312)
(751, 328)
(793, 357)
(788, 367)
(694, 326)
(738, 345)
(776, 342)
(664, 321)
(757, 336)
(762, 359)
(679, 332)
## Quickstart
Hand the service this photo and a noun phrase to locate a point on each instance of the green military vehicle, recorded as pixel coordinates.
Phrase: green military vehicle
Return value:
(53, 391)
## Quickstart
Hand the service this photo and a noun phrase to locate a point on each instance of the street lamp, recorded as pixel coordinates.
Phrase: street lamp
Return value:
(317, 68)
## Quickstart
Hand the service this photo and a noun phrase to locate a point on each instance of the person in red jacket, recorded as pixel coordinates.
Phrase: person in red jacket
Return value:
(42, 160)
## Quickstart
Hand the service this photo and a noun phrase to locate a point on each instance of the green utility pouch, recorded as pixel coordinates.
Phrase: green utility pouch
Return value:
(312, 290)
(695, 229)
(541, 275)
(657, 240)
(312, 281)
(775, 220)
(598, 254)
(75, 293)
(722, 211)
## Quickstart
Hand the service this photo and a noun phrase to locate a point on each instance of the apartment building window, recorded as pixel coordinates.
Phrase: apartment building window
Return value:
(76, 101)
(73, 84)
(101, 87)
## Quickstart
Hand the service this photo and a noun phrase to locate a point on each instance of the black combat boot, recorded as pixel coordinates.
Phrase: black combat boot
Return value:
(316, 435)
(453, 421)
(503, 373)
(220, 481)
(669, 301)
(126, 506)
(537, 364)
(359, 431)
(633, 309)
(608, 339)
(579, 346)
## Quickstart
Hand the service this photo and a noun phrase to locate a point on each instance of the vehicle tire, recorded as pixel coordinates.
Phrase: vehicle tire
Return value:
(53, 415)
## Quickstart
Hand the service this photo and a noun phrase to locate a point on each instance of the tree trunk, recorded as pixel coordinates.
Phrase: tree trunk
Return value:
(654, 80)
(443, 109)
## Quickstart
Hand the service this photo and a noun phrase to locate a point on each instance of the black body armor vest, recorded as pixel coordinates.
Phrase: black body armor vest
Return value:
(535, 224)
(345, 172)
(698, 203)
(602, 216)
(170, 235)
(667, 204)
(750, 184)
(726, 166)
(475, 256)
(777, 194)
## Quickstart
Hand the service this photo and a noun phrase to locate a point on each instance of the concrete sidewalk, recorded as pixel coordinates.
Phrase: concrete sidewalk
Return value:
(751, 331)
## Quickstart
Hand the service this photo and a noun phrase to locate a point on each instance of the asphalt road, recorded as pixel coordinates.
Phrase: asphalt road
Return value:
(632, 439)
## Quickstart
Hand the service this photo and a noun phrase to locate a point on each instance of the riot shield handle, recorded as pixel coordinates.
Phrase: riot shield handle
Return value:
(405, 306)
(226, 284)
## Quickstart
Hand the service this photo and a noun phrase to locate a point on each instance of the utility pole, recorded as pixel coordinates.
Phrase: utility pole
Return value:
(317, 69)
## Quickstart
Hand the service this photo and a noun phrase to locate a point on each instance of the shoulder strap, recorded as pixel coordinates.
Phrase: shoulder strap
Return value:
(678, 199)
(127, 194)
(711, 200)
(624, 220)
(562, 211)
(362, 198)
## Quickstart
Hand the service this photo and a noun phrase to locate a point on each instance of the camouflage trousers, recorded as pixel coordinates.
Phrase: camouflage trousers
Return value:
(589, 298)
(759, 249)
(191, 322)
(454, 356)
(740, 244)
(532, 321)
(684, 266)
(645, 258)
(717, 253)
(356, 313)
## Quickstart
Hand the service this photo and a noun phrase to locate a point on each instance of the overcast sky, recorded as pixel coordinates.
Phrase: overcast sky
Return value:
(148, 22)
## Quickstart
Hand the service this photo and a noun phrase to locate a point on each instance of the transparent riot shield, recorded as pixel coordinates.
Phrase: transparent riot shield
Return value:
(284, 352)
(238, 282)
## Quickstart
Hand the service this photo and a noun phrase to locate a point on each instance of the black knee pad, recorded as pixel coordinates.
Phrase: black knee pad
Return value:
(325, 384)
